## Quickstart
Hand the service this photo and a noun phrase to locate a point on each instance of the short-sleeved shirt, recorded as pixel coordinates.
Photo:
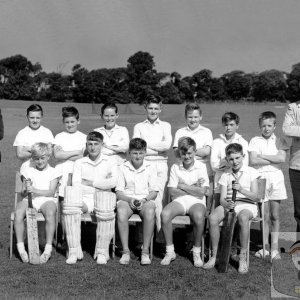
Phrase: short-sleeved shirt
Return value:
(40, 179)
(157, 135)
(201, 135)
(179, 174)
(68, 142)
(269, 146)
(101, 172)
(117, 136)
(245, 176)
(137, 183)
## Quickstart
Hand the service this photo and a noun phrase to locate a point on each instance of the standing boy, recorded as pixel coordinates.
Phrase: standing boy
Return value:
(187, 185)
(158, 137)
(267, 153)
(219, 164)
(246, 185)
(31, 134)
(136, 191)
(90, 174)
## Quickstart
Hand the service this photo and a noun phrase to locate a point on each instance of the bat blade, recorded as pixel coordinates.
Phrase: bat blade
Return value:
(32, 236)
(224, 250)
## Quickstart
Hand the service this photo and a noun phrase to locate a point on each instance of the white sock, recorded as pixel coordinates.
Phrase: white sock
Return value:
(170, 248)
(48, 248)
(21, 247)
(196, 249)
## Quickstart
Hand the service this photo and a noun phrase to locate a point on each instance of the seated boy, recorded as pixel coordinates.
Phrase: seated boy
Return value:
(246, 185)
(91, 173)
(136, 192)
(42, 185)
(219, 164)
(187, 185)
(267, 153)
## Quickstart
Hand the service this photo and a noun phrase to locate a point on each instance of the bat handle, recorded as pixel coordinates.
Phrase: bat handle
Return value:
(29, 196)
(234, 191)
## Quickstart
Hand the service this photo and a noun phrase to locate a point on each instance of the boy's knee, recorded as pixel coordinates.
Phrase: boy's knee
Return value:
(149, 213)
(165, 216)
(213, 219)
(50, 214)
(243, 219)
(19, 215)
(198, 218)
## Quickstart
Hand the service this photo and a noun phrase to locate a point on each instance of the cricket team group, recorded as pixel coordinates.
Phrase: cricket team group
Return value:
(113, 176)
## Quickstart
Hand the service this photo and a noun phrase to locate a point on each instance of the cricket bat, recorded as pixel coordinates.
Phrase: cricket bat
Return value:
(224, 249)
(32, 232)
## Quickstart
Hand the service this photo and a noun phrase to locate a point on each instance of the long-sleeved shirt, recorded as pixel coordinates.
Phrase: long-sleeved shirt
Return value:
(291, 128)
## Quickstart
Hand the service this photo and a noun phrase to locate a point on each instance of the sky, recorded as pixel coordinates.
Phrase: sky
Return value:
(184, 36)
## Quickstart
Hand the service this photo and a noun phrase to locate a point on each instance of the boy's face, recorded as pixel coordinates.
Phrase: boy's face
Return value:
(153, 110)
(188, 156)
(93, 148)
(267, 127)
(110, 117)
(230, 128)
(71, 124)
(137, 157)
(193, 118)
(235, 160)
(34, 119)
(41, 161)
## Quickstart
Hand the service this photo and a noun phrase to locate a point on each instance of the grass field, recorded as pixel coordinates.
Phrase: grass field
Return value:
(87, 280)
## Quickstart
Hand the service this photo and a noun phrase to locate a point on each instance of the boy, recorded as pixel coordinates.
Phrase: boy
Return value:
(267, 153)
(116, 138)
(69, 146)
(136, 191)
(31, 134)
(90, 174)
(187, 186)
(158, 137)
(246, 185)
(230, 122)
(200, 134)
(44, 180)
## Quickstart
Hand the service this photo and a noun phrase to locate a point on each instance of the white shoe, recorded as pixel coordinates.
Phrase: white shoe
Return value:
(275, 255)
(197, 260)
(125, 259)
(260, 253)
(24, 257)
(145, 259)
(45, 257)
(243, 267)
(210, 264)
(72, 256)
(170, 256)
(101, 259)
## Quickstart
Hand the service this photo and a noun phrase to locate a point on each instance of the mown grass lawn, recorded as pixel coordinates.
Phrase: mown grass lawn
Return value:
(87, 280)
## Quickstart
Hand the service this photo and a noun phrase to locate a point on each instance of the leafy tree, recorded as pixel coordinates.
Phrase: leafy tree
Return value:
(293, 81)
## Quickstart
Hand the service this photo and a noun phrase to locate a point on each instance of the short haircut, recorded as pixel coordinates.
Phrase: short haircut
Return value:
(34, 107)
(95, 136)
(185, 143)
(109, 105)
(39, 149)
(70, 111)
(191, 107)
(137, 144)
(230, 116)
(234, 148)
(267, 115)
(152, 98)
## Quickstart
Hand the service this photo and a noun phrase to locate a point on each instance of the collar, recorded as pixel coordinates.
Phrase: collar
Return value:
(157, 121)
(142, 168)
(86, 159)
(236, 138)
(272, 137)
(116, 127)
(200, 127)
(243, 169)
(193, 167)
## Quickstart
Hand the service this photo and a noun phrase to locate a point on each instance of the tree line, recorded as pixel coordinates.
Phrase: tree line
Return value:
(21, 79)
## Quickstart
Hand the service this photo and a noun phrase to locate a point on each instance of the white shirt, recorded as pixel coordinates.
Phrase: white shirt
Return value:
(101, 172)
(245, 177)
(117, 136)
(28, 137)
(201, 135)
(269, 146)
(179, 174)
(137, 183)
(158, 137)
(40, 179)
(68, 142)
